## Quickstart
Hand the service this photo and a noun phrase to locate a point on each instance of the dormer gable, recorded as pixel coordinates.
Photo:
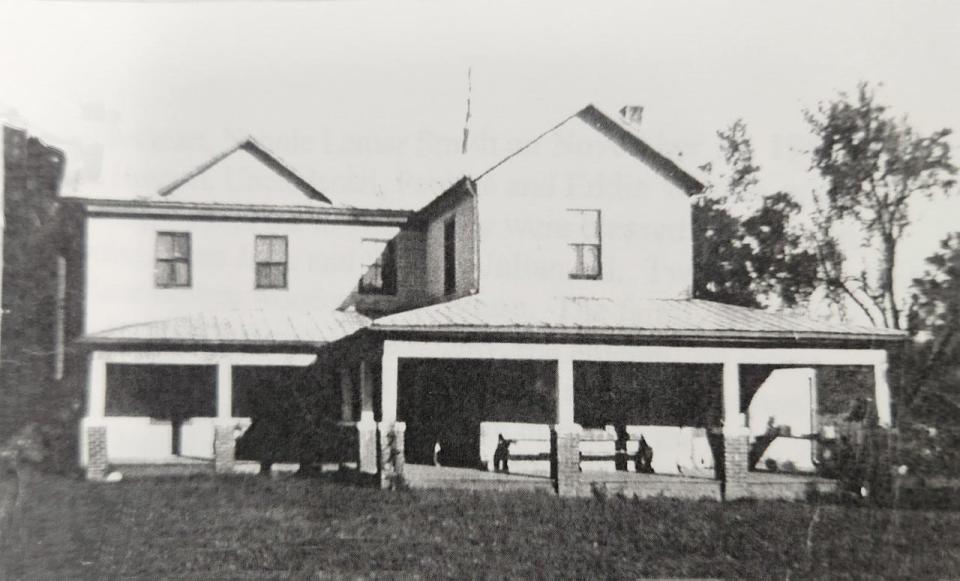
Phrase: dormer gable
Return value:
(244, 174)
(621, 131)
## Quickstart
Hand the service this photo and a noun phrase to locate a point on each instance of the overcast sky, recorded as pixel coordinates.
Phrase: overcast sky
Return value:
(367, 99)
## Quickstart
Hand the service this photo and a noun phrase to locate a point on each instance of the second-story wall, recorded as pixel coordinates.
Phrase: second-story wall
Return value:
(526, 227)
(323, 267)
(462, 213)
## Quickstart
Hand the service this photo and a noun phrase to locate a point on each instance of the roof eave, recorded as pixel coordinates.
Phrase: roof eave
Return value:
(692, 335)
(190, 210)
(664, 165)
(213, 344)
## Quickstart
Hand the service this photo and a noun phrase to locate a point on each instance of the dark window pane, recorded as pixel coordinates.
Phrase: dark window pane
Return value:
(449, 257)
(181, 246)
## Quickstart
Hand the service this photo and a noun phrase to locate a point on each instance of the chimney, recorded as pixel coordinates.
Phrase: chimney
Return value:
(632, 113)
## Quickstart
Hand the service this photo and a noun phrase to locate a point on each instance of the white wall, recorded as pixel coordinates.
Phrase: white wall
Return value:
(463, 214)
(789, 398)
(645, 220)
(324, 263)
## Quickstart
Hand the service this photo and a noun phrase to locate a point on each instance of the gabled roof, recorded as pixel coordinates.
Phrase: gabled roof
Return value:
(259, 152)
(653, 318)
(258, 327)
(624, 134)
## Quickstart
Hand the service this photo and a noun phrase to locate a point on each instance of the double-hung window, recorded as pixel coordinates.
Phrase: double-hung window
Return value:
(270, 255)
(378, 273)
(585, 244)
(172, 260)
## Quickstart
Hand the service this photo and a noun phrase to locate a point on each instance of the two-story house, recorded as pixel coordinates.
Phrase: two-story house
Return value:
(546, 300)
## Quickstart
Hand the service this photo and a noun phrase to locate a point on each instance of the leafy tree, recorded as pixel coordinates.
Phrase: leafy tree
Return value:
(934, 322)
(744, 246)
(875, 166)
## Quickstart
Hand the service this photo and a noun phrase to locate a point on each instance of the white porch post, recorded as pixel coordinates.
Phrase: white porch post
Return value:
(346, 395)
(882, 391)
(97, 386)
(388, 387)
(224, 444)
(366, 427)
(731, 396)
(565, 395)
(224, 391)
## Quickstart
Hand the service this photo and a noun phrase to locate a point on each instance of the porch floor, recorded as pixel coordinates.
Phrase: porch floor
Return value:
(780, 486)
(426, 476)
(421, 476)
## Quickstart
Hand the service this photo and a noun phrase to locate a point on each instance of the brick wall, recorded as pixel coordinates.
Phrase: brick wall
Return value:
(224, 448)
(736, 449)
(97, 463)
(565, 459)
(392, 457)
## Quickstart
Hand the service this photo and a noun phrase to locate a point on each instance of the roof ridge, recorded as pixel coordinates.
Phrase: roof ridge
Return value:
(265, 156)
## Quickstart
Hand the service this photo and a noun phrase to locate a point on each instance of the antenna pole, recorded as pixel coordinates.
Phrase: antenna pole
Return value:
(466, 122)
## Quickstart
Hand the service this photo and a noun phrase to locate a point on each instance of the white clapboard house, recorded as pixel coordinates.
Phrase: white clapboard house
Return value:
(546, 300)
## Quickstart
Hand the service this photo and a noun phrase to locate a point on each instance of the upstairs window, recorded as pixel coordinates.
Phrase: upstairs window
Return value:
(172, 266)
(585, 244)
(378, 276)
(449, 256)
(270, 255)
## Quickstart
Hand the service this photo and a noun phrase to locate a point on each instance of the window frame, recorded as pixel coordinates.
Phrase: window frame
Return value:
(157, 260)
(450, 256)
(576, 270)
(258, 263)
(388, 285)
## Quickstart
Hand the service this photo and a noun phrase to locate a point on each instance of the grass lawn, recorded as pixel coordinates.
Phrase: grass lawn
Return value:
(256, 528)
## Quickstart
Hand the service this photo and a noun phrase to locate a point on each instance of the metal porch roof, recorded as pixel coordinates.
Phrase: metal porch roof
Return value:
(240, 327)
(641, 317)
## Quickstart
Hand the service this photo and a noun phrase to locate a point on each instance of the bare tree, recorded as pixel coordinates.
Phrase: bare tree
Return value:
(875, 165)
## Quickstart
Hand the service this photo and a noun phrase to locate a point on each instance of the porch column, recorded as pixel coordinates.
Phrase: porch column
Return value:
(391, 431)
(565, 392)
(565, 440)
(881, 384)
(366, 427)
(97, 386)
(346, 395)
(224, 444)
(736, 435)
(94, 427)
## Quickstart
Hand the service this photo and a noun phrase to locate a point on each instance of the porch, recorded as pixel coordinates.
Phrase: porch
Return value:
(569, 461)
(176, 412)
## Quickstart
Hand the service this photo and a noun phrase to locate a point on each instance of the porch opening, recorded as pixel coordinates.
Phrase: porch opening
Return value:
(447, 403)
(649, 417)
(798, 416)
(160, 411)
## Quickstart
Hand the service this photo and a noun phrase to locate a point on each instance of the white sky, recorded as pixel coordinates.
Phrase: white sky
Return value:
(366, 99)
